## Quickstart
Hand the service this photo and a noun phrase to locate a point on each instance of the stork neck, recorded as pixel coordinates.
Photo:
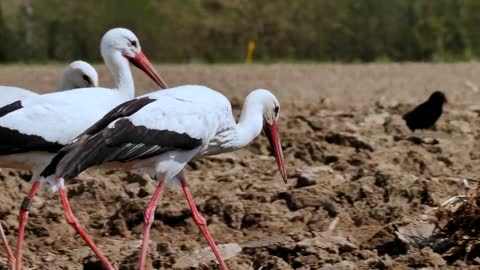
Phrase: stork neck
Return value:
(64, 83)
(250, 123)
(67, 80)
(120, 69)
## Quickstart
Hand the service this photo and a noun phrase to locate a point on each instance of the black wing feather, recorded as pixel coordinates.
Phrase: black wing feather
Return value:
(14, 142)
(10, 108)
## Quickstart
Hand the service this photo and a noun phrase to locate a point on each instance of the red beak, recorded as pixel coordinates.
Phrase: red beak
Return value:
(142, 62)
(271, 131)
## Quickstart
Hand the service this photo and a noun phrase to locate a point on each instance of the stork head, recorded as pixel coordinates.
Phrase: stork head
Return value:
(124, 41)
(79, 74)
(271, 113)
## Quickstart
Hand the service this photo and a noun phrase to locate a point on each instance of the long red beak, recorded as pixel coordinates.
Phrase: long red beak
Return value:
(142, 62)
(271, 131)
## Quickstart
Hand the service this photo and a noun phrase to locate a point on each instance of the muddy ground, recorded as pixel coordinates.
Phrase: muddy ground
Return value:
(357, 177)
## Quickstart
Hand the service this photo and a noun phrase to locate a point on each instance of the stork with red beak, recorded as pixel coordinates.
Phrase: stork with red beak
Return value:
(33, 129)
(160, 132)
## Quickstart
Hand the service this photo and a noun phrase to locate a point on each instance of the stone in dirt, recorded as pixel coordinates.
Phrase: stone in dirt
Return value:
(206, 255)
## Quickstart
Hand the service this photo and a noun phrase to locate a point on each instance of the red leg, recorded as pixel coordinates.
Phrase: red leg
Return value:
(149, 216)
(8, 250)
(72, 221)
(200, 221)
(22, 221)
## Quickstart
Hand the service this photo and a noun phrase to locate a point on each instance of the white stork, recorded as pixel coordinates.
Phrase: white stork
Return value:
(32, 132)
(159, 133)
(78, 74)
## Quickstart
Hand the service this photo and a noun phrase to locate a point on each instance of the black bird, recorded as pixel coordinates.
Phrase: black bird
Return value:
(426, 114)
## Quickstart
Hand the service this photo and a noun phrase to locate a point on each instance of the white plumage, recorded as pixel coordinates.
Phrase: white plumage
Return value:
(78, 74)
(9, 94)
(172, 110)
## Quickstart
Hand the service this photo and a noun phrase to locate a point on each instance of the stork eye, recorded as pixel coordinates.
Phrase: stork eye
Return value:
(276, 110)
(133, 43)
(87, 79)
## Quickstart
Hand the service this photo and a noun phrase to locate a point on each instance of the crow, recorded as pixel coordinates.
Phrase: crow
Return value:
(426, 114)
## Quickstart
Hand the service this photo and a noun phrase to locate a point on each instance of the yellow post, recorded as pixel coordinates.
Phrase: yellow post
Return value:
(250, 49)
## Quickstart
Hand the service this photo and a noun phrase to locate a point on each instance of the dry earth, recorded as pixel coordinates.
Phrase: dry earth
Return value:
(361, 189)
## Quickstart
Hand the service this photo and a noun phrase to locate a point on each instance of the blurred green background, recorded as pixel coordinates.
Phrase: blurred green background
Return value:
(212, 31)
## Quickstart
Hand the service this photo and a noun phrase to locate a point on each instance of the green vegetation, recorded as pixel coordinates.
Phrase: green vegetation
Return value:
(210, 31)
